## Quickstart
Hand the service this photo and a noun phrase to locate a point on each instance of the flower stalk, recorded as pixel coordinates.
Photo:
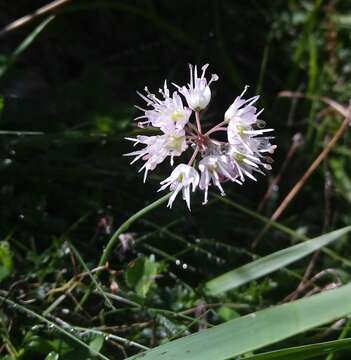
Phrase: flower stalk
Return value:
(123, 227)
(115, 238)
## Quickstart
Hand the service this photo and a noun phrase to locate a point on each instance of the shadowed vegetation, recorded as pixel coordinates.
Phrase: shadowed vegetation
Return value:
(68, 81)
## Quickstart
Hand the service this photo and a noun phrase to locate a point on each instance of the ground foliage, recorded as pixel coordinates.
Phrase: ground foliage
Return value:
(67, 104)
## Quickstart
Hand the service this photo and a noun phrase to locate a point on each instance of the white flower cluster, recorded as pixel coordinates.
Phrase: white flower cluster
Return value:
(244, 153)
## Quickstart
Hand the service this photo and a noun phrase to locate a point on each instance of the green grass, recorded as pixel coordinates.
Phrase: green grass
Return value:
(69, 288)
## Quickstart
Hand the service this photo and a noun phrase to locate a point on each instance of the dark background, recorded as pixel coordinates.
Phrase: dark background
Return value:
(75, 84)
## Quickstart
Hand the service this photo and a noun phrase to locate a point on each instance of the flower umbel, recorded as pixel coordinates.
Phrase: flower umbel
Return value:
(245, 153)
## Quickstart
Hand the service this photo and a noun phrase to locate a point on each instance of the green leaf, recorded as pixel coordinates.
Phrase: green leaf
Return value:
(52, 356)
(270, 263)
(256, 330)
(6, 264)
(141, 274)
(2, 104)
(70, 337)
(226, 313)
(343, 20)
(38, 344)
(96, 343)
(24, 45)
(304, 352)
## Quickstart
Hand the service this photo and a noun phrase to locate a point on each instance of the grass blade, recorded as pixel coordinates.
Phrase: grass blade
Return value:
(304, 352)
(25, 44)
(53, 325)
(256, 330)
(280, 227)
(270, 263)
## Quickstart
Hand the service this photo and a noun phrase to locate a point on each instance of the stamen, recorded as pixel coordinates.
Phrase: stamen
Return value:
(245, 89)
(191, 76)
(204, 70)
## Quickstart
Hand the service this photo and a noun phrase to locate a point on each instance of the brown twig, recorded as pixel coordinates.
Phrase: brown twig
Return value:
(74, 281)
(35, 14)
(346, 112)
(296, 143)
(312, 282)
(327, 211)
(304, 282)
(120, 347)
(345, 124)
(333, 104)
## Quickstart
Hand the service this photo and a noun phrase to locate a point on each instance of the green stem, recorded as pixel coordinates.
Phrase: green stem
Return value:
(342, 335)
(113, 337)
(114, 239)
(91, 275)
(54, 325)
(112, 243)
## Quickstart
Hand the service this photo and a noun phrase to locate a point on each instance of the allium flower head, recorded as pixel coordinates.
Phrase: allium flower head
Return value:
(245, 154)
(198, 92)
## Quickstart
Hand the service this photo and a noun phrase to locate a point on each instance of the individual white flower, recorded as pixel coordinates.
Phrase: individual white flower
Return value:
(181, 178)
(157, 149)
(215, 169)
(168, 114)
(237, 109)
(248, 162)
(243, 117)
(198, 92)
